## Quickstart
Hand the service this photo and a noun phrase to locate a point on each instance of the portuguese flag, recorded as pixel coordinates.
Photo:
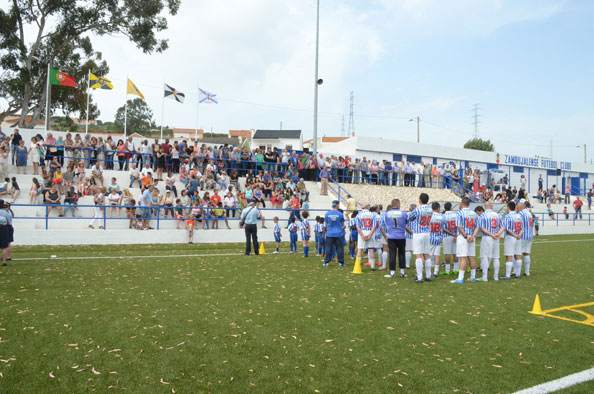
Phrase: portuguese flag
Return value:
(59, 78)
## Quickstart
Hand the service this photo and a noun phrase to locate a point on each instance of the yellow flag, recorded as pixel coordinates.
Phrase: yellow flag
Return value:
(99, 82)
(132, 89)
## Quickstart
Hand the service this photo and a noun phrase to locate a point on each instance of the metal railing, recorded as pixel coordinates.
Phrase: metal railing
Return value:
(159, 214)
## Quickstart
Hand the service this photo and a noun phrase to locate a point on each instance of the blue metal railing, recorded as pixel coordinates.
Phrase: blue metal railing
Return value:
(160, 213)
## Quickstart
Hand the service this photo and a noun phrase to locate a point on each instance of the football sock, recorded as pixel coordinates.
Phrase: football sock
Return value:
(305, 251)
(456, 266)
(419, 267)
(392, 272)
(461, 274)
(408, 255)
(485, 267)
(384, 259)
(527, 265)
(508, 268)
(447, 268)
(428, 266)
(277, 248)
(435, 269)
(495, 268)
(402, 271)
(473, 274)
(372, 262)
(518, 267)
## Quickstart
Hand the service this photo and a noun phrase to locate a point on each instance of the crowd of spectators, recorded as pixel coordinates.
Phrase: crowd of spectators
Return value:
(73, 166)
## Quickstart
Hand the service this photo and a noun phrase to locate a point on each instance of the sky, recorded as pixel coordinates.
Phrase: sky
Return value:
(527, 64)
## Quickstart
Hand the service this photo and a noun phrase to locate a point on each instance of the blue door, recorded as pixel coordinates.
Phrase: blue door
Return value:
(575, 186)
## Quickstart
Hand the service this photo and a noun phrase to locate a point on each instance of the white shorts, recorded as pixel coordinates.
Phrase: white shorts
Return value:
(362, 244)
(526, 246)
(449, 246)
(465, 248)
(489, 247)
(512, 246)
(408, 246)
(379, 243)
(421, 243)
(434, 250)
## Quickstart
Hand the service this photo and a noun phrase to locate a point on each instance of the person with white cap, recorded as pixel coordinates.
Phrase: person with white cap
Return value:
(249, 217)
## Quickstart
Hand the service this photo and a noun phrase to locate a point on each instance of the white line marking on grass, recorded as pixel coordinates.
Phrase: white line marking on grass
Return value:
(561, 383)
(126, 257)
(213, 254)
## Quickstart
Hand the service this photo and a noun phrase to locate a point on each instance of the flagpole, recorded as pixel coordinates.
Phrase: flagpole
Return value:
(47, 99)
(162, 111)
(197, 107)
(88, 89)
(126, 108)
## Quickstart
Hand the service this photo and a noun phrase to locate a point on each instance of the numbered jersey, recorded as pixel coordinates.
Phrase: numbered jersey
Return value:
(449, 219)
(490, 221)
(305, 229)
(527, 224)
(436, 224)
(381, 225)
(293, 228)
(419, 219)
(513, 223)
(366, 221)
(467, 219)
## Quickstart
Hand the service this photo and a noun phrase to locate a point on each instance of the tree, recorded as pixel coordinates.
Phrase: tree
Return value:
(139, 119)
(480, 144)
(61, 32)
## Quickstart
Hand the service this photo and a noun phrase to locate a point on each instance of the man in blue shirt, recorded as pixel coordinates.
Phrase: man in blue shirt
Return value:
(334, 221)
(145, 204)
(250, 216)
(395, 220)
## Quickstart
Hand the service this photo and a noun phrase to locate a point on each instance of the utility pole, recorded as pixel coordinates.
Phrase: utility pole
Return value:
(316, 82)
(476, 122)
(418, 119)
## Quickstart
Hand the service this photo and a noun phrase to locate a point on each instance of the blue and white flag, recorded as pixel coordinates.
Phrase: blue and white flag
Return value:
(205, 97)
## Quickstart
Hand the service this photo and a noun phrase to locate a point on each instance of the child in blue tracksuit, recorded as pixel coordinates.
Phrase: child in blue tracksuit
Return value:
(319, 232)
(293, 227)
(305, 232)
(353, 234)
(277, 233)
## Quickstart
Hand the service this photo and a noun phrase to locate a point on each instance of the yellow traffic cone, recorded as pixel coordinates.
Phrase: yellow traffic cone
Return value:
(262, 250)
(536, 309)
(357, 267)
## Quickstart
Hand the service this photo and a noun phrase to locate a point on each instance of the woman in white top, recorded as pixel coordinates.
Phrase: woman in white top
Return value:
(230, 202)
(114, 201)
(99, 200)
(34, 155)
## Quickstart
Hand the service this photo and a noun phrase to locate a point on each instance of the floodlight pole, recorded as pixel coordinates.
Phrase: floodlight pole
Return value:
(315, 125)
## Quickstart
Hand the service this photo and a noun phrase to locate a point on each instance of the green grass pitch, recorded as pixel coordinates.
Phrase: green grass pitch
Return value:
(224, 322)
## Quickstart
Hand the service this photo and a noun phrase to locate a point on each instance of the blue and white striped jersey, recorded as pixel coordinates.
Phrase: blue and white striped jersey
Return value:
(319, 228)
(381, 225)
(437, 222)
(277, 229)
(293, 228)
(418, 220)
(407, 234)
(513, 223)
(353, 223)
(468, 220)
(449, 219)
(305, 230)
(527, 224)
(366, 221)
(490, 221)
